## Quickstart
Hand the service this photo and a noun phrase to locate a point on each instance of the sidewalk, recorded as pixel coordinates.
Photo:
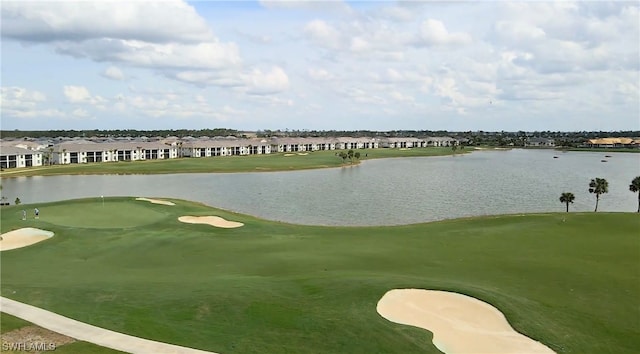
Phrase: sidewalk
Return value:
(88, 333)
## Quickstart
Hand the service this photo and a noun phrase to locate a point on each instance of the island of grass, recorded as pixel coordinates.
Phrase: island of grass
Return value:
(223, 164)
(570, 281)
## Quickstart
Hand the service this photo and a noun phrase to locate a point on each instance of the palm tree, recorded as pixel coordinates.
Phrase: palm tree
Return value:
(350, 155)
(567, 198)
(343, 155)
(635, 188)
(598, 186)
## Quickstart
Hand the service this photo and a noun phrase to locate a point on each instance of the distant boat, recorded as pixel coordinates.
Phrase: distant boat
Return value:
(555, 157)
(607, 155)
(603, 160)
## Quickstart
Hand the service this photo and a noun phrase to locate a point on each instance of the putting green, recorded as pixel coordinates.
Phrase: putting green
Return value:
(95, 214)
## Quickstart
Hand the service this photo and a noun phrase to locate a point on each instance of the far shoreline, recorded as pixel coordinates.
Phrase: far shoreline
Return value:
(232, 164)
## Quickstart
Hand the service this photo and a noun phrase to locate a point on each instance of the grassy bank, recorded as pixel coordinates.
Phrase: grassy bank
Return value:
(571, 280)
(599, 149)
(252, 163)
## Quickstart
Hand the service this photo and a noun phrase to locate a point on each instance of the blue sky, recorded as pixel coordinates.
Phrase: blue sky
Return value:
(382, 65)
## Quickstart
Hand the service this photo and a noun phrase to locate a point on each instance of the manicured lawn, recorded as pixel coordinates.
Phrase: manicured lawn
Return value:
(602, 149)
(8, 323)
(92, 213)
(252, 163)
(571, 280)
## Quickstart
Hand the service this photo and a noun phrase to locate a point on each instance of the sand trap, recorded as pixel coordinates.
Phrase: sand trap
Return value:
(156, 201)
(289, 154)
(22, 238)
(460, 323)
(211, 220)
(303, 153)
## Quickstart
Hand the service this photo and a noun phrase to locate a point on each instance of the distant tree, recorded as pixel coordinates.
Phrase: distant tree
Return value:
(344, 156)
(350, 155)
(567, 198)
(598, 186)
(17, 201)
(635, 188)
(454, 148)
(357, 155)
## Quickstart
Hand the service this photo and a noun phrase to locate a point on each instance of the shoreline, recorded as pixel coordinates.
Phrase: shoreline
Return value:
(171, 166)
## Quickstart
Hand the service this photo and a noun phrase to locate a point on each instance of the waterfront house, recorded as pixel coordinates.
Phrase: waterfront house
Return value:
(613, 143)
(15, 157)
(539, 142)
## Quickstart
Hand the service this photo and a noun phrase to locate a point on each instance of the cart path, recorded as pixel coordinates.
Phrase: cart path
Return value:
(89, 333)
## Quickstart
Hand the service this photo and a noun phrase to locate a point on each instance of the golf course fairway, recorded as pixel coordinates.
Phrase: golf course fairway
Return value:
(568, 280)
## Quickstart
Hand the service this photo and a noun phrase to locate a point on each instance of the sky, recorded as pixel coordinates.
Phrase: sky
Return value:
(321, 65)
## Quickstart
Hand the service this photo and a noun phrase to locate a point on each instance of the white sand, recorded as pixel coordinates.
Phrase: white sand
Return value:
(156, 201)
(289, 154)
(460, 323)
(23, 237)
(210, 220)
(303, 153)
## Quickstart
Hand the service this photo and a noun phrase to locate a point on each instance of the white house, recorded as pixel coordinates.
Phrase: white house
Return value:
(87, 152)
(15, 157)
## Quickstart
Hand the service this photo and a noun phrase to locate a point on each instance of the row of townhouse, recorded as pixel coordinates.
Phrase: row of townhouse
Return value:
(407, 143)
(85, 152)
(14, 157)
(82, 151)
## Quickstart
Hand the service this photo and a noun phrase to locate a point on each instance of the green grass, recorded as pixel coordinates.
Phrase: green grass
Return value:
(571, 280)
(601, 149)
(84, 348)
(92, 213)
(252, 163)
(9, 323)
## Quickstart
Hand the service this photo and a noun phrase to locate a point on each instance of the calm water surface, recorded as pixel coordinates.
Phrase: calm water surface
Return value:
(377, 192)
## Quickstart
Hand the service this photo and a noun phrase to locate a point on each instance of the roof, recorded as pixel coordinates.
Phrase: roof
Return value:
(611, 141)
(89, 146)
(12, 150)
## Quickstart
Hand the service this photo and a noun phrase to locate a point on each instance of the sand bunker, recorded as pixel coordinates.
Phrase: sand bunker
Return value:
(460, 323)
(22, 238)
(156, 201)
(289, 154)
(303, 153)
(211, 220)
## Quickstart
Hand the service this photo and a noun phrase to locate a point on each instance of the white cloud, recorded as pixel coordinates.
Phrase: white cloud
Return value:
(323, 34)
(24, 103)
(398, 96)
(150, 21)
(213, 55)
(434, 33)
(320, 74)
(80, 113)
(113, 73)
(264, 83)
(165, 36)
(80, 94)
(335, 6)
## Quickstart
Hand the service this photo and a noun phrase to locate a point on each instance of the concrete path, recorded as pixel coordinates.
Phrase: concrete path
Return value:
(89, 333)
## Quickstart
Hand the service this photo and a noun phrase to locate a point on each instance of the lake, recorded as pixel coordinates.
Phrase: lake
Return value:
(376, 192)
